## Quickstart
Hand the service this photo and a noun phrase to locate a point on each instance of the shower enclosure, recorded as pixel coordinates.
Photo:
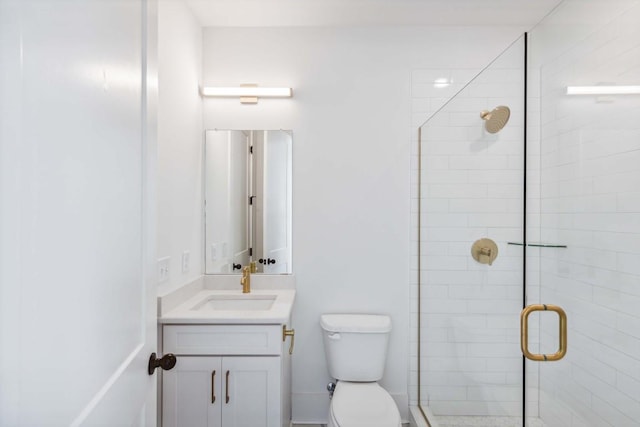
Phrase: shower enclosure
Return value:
(557, 189)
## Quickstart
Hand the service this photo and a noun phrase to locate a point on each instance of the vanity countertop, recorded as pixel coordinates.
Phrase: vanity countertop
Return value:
(231, 306)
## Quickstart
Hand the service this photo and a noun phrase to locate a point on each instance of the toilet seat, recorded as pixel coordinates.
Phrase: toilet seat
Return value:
(363, 405)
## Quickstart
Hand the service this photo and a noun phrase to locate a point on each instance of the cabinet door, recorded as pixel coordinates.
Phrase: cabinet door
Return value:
(192, 393)
(253, 388)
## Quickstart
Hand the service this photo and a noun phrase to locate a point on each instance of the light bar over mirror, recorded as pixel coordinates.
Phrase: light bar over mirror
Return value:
(249, 93)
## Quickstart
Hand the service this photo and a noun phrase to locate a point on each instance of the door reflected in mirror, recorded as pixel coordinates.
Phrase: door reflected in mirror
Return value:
(247, 192)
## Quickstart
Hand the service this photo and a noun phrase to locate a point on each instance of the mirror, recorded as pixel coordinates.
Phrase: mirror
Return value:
(247, 193)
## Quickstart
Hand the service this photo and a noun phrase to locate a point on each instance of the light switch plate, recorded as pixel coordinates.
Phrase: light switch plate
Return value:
(163, 269)
(185, 261)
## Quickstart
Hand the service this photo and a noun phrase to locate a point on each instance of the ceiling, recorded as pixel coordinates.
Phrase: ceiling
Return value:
(308, 13)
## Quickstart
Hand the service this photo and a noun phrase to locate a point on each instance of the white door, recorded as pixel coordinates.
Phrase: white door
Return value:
(252, 385)
(239, 186)
(257, 191)
(77, 247)
(277, 202)
(227, 200)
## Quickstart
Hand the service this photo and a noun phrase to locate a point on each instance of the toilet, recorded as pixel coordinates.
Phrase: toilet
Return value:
(356, 348)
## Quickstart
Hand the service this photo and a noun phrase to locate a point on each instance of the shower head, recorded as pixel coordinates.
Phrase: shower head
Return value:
(496, 119)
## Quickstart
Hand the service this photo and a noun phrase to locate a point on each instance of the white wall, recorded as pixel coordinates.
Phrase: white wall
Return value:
(351, 117)
(590, 151)
(180, 139)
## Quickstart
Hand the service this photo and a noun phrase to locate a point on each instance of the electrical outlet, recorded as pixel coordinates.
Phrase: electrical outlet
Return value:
(163, 269)
(185, 261)
(214, 252)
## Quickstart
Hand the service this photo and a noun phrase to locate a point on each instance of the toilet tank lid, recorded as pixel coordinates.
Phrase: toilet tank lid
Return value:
(362, 323)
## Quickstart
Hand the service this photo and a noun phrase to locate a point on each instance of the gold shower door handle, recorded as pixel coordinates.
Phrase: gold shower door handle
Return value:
(524, 333)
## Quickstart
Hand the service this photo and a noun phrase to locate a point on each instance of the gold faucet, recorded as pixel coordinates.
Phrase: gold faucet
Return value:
(246, 280)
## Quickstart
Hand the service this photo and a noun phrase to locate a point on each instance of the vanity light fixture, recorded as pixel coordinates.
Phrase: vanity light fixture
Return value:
(603, 90)
(248, 93)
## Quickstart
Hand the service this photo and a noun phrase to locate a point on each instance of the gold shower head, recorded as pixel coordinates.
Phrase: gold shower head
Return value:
(496, 119)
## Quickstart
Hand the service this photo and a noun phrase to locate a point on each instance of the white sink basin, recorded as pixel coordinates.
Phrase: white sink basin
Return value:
(235, 303)
(208, 306)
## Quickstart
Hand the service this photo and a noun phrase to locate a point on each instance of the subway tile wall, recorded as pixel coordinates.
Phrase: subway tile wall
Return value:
(427, 98)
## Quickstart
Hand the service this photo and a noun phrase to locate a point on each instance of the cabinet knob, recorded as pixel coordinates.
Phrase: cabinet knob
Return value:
(166, 362)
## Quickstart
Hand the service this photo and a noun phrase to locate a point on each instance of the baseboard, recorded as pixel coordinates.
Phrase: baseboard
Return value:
(309, 408)
(402, 402)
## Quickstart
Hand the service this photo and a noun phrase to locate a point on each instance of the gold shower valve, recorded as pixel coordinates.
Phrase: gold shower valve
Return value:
(485, 251)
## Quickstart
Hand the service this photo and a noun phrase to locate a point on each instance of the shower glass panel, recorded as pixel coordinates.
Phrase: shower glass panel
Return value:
(471, 188)
(588, 149)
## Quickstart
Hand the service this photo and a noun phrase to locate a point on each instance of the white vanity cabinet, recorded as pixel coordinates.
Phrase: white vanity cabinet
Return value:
(226, 376)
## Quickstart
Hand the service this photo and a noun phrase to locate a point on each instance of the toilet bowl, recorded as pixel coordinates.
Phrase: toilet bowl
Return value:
(356, 350)
(362, 405)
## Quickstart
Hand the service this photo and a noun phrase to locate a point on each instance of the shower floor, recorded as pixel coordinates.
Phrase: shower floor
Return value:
(469, 421)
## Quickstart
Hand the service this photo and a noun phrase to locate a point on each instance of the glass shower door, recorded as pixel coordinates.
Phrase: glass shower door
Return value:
(589, 157)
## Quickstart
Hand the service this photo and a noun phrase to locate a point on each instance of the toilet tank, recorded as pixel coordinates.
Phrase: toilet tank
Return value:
(356, 345)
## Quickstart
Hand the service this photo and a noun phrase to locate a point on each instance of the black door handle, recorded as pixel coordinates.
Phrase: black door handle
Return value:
(166, 362)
